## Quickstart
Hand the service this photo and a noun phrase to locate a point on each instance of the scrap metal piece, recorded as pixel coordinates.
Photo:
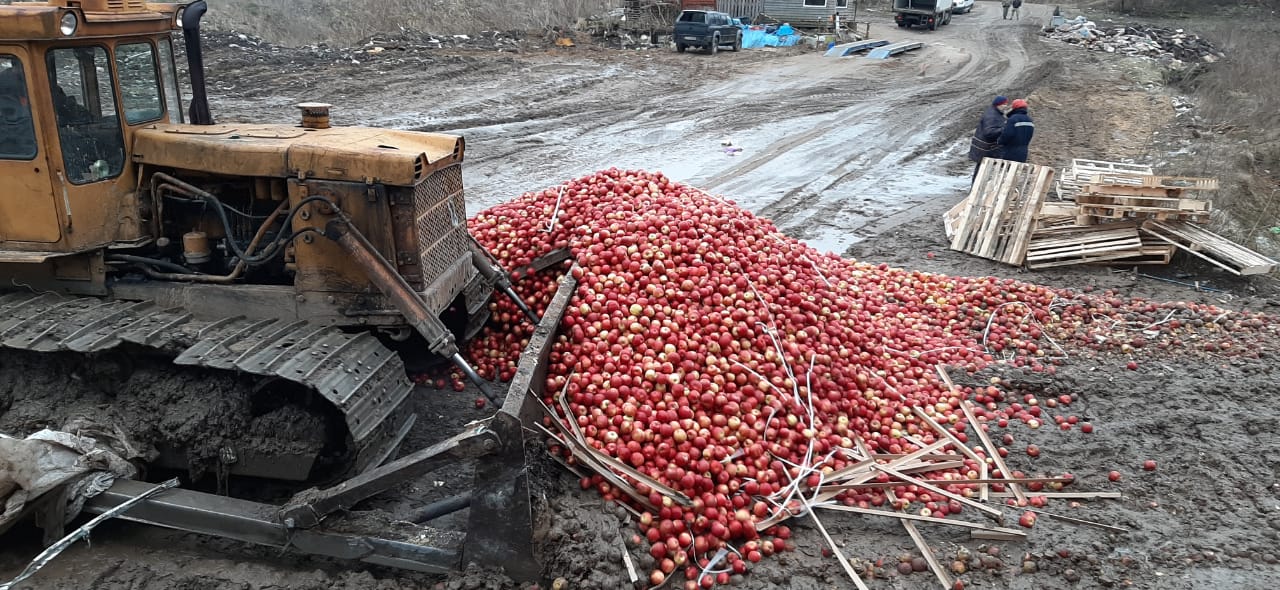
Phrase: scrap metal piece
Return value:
(57, 548)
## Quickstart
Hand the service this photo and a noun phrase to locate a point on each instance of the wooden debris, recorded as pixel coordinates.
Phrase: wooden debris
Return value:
(1079, 521)
(1114, 213)
(929, 557)
(844, 561)
(631, 568)
(997, 218)
(916, 517)
(1067, 495)
(1085, 244)
(991, 448)
(1082, 172)
(1209, 246)
(933, 488)
(995, 535)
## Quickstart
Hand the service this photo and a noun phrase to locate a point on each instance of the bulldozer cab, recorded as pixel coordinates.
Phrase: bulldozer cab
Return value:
(77, 78)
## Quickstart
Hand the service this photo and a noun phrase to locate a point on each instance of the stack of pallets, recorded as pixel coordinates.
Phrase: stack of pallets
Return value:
(1116, 214)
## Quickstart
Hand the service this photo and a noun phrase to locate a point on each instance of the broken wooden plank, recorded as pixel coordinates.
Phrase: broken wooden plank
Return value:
(995, 536)
(1079, 521)
(933, 488)
(1211, 247)
(927, 552)
(920, 518)
(991, 448)
(844, 561)
(1066, 495)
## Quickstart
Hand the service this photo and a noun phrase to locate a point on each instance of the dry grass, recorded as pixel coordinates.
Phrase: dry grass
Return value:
(1238, 103)
(345, 22)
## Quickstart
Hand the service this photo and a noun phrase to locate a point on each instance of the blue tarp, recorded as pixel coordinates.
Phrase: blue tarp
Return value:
(754, 39)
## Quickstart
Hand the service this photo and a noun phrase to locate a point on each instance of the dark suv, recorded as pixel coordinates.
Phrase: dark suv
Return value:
(706, 29)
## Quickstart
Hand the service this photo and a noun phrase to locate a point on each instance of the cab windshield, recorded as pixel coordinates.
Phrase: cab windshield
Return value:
(85, 107)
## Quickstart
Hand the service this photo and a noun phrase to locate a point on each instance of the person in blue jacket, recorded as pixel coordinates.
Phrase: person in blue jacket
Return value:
(1018, 129)
(983, 144)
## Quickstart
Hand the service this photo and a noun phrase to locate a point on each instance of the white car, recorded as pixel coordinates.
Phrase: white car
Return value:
(962, 6)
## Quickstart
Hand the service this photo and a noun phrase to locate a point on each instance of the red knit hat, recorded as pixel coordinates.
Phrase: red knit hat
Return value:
(1018, 103)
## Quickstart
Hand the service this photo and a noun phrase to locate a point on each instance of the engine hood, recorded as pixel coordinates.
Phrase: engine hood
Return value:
(360, 154)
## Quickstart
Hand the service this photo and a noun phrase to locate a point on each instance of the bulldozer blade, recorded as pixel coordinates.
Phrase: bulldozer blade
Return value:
(500, 523)
(500, 527)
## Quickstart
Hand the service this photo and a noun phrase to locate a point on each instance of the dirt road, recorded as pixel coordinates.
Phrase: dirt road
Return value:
(858, 157)
(826, 143)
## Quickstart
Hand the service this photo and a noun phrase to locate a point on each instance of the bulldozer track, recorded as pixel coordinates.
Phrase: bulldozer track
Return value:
(355, 372)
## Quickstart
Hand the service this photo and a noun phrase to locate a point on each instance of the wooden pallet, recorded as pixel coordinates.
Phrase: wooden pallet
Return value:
(1190, 183)
(996, 220)
(1050, 222)
(1083, 172)
(1084, 245)
(1129, 212)
(1103, 166)
(1153, 251)
(1094, 195)
(1211, 247)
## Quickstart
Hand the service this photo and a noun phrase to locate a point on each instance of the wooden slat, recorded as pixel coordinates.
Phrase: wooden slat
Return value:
(1057, 208)
(1180, 182)
(916, 517)
(1066, 495)
(1211, 247)
(1124, 190)
(1083, 259)
(1103, 165)
(1121, 210)
(1095, 196)
(1127, 244)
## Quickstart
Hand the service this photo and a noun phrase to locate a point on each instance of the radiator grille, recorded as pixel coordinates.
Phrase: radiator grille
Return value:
(441, 218)
(121, 5)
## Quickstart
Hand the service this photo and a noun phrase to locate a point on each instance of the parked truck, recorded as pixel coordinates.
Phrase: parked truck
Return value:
(928, 13)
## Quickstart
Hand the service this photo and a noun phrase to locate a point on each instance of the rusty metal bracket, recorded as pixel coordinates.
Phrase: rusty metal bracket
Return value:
(308, 508)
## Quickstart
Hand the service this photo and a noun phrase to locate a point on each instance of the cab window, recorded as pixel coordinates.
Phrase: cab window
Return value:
(139, 83)
(17, 131)
(85, 106)
(169, 73)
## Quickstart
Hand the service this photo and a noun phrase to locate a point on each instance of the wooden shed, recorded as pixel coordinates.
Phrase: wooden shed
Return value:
(803, 13)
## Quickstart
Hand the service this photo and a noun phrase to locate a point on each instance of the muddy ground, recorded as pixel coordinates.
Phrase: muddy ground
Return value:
(856, 157)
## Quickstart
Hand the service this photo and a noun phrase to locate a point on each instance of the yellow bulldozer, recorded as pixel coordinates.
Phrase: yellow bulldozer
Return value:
(254, 291)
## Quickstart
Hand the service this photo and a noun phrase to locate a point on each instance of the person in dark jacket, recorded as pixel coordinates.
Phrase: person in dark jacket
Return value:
(1018, 129)
(983, 144)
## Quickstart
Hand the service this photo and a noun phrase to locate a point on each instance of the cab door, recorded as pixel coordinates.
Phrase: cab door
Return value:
(28, 206)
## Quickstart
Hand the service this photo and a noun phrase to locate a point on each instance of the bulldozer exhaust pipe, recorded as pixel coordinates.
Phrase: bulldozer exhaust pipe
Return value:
(199, 112)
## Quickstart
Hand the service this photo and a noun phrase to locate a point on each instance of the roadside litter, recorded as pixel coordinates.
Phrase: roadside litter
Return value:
(1174, 46)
